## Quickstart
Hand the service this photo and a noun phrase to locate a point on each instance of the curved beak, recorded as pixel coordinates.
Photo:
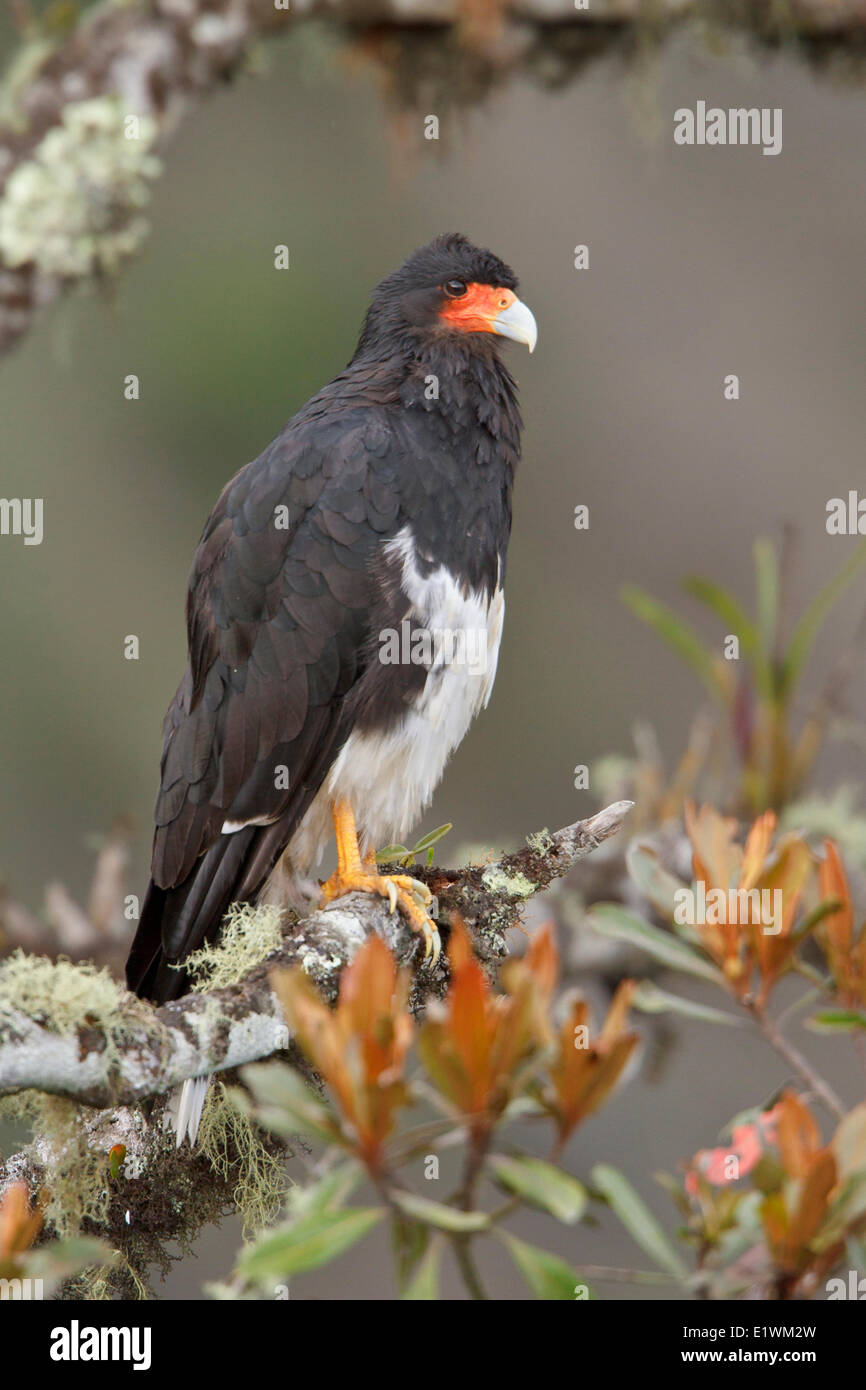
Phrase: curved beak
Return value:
(517, 322)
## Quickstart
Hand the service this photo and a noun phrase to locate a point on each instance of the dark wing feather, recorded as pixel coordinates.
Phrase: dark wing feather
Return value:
(278, 623)
(276, 620)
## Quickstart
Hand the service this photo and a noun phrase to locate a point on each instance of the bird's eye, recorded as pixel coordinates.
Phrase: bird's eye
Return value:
(455, 288)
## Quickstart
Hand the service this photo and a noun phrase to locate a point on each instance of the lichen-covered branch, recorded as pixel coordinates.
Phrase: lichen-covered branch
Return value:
(84, 119)
(73, 1040)
(119, 1050)
(83, 116)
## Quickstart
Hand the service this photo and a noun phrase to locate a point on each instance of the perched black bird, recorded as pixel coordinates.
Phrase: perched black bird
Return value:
(344, 614)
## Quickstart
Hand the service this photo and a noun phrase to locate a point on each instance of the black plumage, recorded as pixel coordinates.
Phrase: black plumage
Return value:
(293, 580)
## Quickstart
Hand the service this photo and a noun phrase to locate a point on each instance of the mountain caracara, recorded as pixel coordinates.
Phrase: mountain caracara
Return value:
(384, 505)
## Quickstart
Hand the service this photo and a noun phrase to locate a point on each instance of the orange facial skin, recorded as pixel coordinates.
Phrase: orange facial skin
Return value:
(475, 311)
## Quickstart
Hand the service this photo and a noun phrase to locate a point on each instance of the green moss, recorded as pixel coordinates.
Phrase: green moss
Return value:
(248, 936)
(233, 1146)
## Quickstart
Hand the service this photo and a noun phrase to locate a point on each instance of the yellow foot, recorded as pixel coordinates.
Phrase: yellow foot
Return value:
(409, 894)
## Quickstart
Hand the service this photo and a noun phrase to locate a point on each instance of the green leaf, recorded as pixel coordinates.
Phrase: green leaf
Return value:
(284, 1103)
(637, 1218)
(307, 1243)
(61, 1258)
(652, 1000)
(433, 837)
(276, 1083)
(418, 1139)
(810, 623)
(652, 878)
(547, 1275)
(392, 854)
(847, 1209)
(612, 920)
(439, 1215)
(400, 854)
(836, 1021)
(768, 1175)
(725, 607)
(678, 635)
(817, 915)
(328, 1194)
(543, 1185)
(523, 1108)
(409, 1240)
(425, 1283)
(767, 593)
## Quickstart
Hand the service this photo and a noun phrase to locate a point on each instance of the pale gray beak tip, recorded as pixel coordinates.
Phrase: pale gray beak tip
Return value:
(518, 323)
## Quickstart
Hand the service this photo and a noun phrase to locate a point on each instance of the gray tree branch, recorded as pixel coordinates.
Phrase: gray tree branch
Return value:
(164, 1195)
(146, 1051)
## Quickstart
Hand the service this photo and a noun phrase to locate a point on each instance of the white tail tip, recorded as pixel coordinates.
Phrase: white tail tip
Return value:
(185, 1107)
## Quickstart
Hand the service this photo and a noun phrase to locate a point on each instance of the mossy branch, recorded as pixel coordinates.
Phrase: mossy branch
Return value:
(69, 1030)
(85, 1052)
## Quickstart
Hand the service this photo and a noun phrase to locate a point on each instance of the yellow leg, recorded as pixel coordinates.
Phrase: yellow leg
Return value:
(357, 875)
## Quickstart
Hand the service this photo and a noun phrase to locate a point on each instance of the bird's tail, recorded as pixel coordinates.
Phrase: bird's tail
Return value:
(184, 1110)
(176, 921)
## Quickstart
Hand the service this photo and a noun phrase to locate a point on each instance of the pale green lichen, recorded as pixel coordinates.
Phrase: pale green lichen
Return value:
(76, 1176)
(227, 1138)
(248, 936)
(74, 207)
(541, 843)
(233, 1146)
(62, 996)
(498, 880)
(100, 1282)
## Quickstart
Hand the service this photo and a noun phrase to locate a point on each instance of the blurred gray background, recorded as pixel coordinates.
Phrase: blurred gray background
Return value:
(703, 262)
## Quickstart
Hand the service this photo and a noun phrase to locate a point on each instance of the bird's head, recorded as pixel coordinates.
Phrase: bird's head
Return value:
(448, 288)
